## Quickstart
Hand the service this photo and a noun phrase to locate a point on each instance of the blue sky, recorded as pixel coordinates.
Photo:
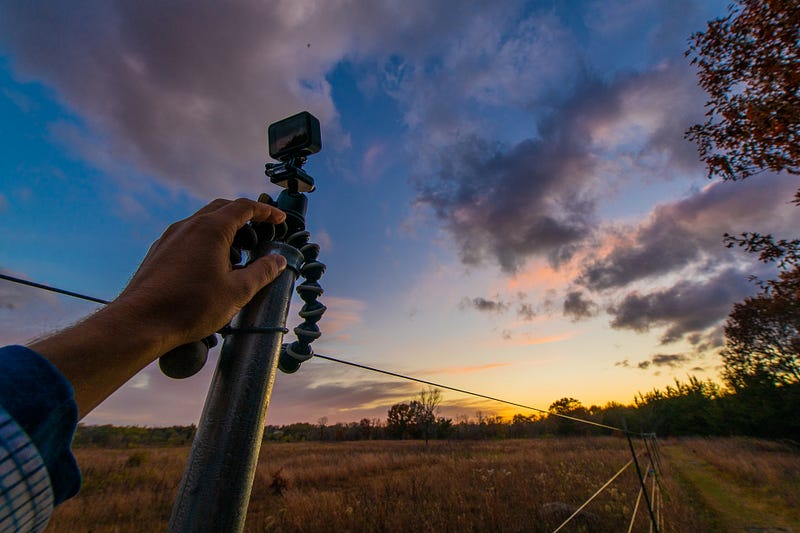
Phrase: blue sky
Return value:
(505, 199)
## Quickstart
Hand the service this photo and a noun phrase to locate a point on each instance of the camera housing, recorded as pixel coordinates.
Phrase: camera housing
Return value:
(294, 137)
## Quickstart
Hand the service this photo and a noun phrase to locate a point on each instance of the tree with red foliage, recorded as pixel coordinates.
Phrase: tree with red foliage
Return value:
(749, 64)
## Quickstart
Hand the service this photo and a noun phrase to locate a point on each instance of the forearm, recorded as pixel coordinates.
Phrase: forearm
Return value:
(101, 353)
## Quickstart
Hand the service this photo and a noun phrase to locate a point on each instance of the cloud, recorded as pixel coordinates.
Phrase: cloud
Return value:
(579, 308)
(690, 230)
(499, 59)
(341, 316)
(483, 305)
(684, 308)
(451, 370)
(675, 360)
(683, 240)
(671, 360)
(184, 90)
(340, 393)
(374, 163)
(527, 339)
(526, 312)
(323, 238)
(508, 202)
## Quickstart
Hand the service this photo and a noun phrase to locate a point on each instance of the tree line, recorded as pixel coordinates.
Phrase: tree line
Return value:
(694, 407)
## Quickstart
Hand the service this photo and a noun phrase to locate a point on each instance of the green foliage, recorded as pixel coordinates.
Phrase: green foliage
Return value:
(108, 436)
(568, 407)
(688, 408)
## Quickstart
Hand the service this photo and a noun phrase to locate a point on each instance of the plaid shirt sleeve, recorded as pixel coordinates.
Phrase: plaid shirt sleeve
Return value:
(38, 417)
(26, 497)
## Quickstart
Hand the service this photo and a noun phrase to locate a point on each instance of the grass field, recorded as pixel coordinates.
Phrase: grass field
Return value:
(510, 485)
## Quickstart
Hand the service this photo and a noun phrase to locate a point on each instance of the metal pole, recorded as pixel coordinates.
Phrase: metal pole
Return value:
(215, 489)
(653, 524)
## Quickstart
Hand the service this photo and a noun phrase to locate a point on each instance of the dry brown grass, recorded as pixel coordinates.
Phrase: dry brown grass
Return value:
(512, 485)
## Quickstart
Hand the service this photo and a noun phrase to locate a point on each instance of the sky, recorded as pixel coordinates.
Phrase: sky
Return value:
(505, 200)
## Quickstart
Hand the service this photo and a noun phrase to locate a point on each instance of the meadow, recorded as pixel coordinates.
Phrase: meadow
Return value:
(505, 485)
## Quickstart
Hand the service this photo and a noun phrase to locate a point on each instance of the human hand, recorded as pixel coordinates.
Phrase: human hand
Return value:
(186, 288)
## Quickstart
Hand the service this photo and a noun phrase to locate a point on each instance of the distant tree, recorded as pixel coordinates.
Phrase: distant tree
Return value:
(425, 410)
(762, 336)
(417, 419)
(687, 408)
(521, 425)
(365, 428)
(567, 407)
(322, 422)
(399, 420)
(749, 65)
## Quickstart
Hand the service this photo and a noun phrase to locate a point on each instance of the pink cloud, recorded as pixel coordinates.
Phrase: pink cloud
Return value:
(463, 369)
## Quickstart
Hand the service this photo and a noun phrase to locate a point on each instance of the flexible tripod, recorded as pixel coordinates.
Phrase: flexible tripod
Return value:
(215, 489)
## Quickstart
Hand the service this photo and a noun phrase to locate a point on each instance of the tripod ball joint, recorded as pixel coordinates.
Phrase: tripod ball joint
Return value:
(292, 355)
(186, 360)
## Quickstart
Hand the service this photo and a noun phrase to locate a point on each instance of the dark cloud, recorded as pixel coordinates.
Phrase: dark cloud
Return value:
(671, 360)
(538, 197)
(709, 340)
(526, 312)
(674, 360)
(690, 230)
(483, 305)
(685, 308)
(579, 308)
(659, 360)
(511, 204)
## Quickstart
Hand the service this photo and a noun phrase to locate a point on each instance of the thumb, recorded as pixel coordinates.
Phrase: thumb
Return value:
(259, 273)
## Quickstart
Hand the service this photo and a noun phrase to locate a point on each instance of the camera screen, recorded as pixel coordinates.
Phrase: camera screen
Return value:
(288, 134)
(295, 136)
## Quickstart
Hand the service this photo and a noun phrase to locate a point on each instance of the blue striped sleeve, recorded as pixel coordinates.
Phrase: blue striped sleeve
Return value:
(41, 402)
(26, 496)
